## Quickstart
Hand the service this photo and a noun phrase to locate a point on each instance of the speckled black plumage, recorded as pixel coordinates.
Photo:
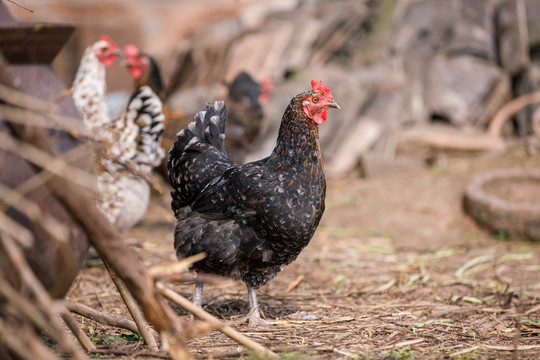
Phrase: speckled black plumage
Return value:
(253, 219)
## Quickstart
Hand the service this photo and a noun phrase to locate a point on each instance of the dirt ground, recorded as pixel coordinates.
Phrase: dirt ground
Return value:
(395, 271)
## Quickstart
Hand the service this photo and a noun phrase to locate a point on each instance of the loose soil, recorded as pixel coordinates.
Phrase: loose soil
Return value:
(396, 270)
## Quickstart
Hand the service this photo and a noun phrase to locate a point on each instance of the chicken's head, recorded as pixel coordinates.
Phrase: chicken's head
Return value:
(136, 62)
(318, 101)
(267, 86)
(106, 50)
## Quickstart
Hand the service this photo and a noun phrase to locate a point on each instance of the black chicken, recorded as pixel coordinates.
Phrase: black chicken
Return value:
(245, 114)
(251, 220)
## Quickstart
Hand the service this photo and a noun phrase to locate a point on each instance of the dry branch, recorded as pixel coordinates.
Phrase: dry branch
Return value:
(45, 160)
(534, 309)
(23, 100)
(16, 230)
(134, 310)
(42, 120)
(454, 141)
(24, 343)
(511, 347)
(174, 267)
(403, 343)
(187, 305)
(41, 177)
(100, 317)
(294, 283)
(509, 109)
(14, 199)
(45, 316)
(132, 354)
(22, 304)
(76, 330)
(464, 351)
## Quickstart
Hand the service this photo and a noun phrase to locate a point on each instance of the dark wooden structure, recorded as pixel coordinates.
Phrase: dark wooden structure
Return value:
(28, 50)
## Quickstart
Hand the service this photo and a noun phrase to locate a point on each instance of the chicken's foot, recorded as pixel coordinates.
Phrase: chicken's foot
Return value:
(255, 319)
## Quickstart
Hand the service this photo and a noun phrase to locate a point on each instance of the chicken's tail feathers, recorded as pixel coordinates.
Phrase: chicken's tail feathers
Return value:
(207, 128)
(216, 115)
(198, 155)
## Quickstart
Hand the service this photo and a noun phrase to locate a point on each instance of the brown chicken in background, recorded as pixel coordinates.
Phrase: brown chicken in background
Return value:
(244, 100)
(145, 71)
(251, 220)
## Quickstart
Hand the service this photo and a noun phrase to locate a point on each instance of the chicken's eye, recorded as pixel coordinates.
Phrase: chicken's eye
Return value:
(315, 100)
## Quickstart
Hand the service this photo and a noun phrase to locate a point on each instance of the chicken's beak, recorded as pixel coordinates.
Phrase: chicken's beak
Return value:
(334, 105)
(118, 52)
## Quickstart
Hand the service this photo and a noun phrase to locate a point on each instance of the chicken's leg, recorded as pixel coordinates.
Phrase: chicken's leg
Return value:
(197, 296)
(254, 312)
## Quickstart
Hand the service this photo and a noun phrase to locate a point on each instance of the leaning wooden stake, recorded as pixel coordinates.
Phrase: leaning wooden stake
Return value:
(134, 310)
(76, 330)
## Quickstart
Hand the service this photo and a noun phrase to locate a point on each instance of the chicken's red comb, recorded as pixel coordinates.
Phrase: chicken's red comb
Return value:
(109, 40)
(319, 87)
(131, 50)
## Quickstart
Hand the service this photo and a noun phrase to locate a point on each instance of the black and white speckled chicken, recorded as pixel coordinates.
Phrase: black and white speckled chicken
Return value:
(251, 220)
(127, 148)
(144, 69)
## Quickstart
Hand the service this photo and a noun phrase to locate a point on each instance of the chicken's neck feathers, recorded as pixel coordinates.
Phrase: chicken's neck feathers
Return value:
(152, 77)
(298, 139)
(89, 90)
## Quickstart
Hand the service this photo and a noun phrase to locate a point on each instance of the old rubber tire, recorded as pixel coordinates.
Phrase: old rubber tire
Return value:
(513, 218)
